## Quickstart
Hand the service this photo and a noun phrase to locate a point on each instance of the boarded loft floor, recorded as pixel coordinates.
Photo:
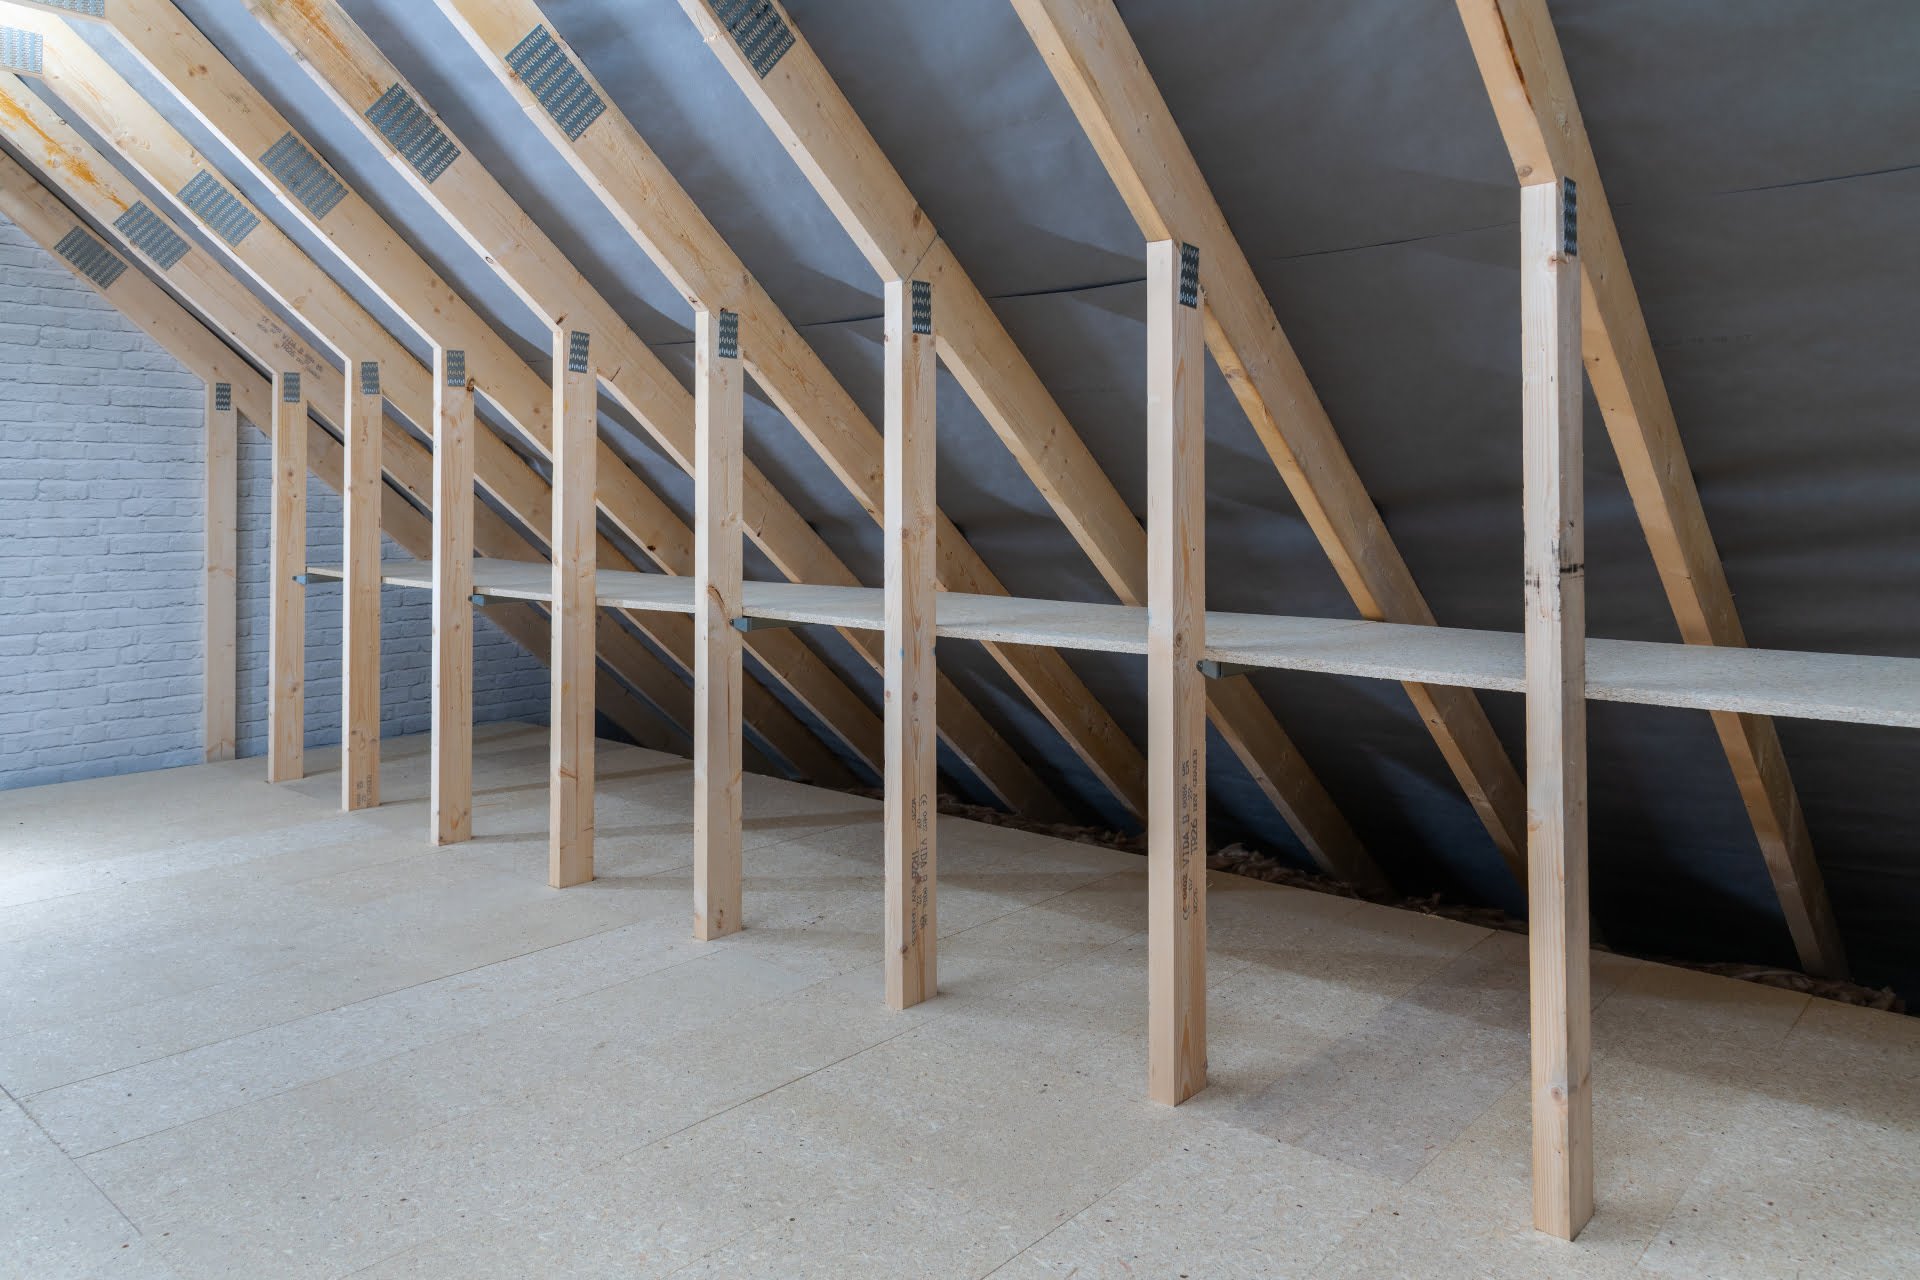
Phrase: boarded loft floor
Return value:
(246, 1035)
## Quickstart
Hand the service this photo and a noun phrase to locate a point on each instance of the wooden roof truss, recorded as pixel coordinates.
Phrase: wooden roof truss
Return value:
(566, 590)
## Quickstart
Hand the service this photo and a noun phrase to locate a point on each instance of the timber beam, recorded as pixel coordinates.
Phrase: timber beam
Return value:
(108, 104)
(367, 87)
(719, 388)
(1518, 51)
(805, 109)
(1558, 942)
(1176, 691)
(29, 204)
(1094, 59)
(26, 202)
(286, 584)
(181, 57)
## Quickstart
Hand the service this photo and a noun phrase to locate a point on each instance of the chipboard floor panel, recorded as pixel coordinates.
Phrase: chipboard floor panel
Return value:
(244, 1034)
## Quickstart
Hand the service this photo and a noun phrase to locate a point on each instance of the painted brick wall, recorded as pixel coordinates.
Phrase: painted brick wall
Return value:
(100, 556)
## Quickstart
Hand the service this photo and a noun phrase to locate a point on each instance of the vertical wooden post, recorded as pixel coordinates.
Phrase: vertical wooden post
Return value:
(717, 556)
(912, 759)
(450, 790)
(1556, 710)
(1176, 696)
(576, 398)
(360, 593)
(287, 599)
(221, 653)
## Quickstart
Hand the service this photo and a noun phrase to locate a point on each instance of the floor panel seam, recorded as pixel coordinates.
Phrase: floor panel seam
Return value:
(373, 1062)
(1075, 1216)
(318, 1013)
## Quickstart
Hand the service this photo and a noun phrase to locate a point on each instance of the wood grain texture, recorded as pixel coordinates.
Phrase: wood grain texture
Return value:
(719, 384)
(351, 69)
(618, 166)
(1093, 57)
(34, 208)
(636, 509)
(576, 404)
(450, 785)
(287, 599)
(1176, 696)
(360, 600)
(1556, 615)
(911, 521)
(220, 650)
(804, 107)
(155, 32)
(1526, 77)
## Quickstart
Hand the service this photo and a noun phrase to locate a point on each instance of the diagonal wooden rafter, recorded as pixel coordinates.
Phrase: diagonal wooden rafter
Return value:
(96, 187)
(806, 110)
(91, 89)
(1094, 59)
(254, 329)
(353, 71)
(178, 55)
(26, 202)
(81, 172)
(608, 153)
(1518, 51)
(1689, 560)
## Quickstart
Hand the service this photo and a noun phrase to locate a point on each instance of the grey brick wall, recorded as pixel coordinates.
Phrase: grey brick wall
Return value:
(100, 556)
(507, 683)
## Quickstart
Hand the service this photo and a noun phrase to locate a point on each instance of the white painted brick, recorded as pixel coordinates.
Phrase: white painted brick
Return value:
(100, 563)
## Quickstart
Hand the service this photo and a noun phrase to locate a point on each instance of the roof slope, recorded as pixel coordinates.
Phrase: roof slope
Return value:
(1763, 160)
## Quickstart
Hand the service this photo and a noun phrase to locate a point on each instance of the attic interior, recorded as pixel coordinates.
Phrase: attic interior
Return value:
(1260, 638)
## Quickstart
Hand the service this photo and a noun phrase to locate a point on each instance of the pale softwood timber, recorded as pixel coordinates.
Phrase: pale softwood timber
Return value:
(1556, 614)
(450, 789)
(221, 652)
(1526, 76)
(1093, 57)
(156, 31)
(287, 609)
(26, 202)
(96, 186)
(804, 107)
(574, 543)
(719, 385)
(912, 778)
(350, 67)
(360, 598)
(618, 166)
(1176, 694)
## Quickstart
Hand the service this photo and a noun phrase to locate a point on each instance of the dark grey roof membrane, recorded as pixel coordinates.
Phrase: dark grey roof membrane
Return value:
(1763, 160)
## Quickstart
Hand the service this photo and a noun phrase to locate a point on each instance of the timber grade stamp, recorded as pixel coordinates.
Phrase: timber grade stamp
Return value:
(1188, 824)
(920, 896)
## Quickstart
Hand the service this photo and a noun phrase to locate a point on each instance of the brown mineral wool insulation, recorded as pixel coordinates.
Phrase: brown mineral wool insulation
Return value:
(1238, 859)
